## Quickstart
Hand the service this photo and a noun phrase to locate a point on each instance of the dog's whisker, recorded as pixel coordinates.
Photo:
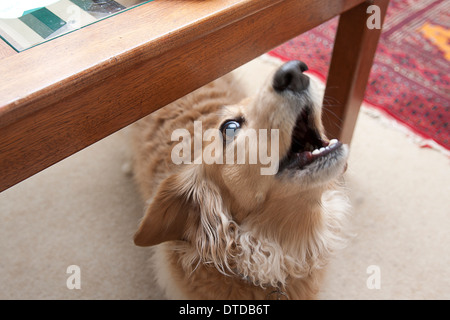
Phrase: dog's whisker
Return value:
(330, 100)
(329, 112)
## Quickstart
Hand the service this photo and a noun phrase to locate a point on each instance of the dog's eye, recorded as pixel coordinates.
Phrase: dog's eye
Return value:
(230, 128)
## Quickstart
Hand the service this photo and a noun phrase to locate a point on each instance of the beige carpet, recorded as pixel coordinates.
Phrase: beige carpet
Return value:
(84, 210)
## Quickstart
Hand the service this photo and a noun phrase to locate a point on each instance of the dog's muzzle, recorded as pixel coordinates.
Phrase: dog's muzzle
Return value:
(308, 146)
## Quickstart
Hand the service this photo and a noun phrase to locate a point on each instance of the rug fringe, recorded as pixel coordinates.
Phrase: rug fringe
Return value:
(388, 121)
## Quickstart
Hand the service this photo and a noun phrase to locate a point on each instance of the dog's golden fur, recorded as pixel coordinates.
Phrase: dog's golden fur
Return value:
(225, 231)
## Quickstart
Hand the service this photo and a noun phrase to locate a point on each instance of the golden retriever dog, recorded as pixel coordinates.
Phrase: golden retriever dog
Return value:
(244, 194)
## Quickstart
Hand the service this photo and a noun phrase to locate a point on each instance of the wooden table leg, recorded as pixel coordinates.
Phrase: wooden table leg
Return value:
(353, 53)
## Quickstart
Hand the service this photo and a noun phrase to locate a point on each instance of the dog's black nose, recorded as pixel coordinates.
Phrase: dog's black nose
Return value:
(290, 77)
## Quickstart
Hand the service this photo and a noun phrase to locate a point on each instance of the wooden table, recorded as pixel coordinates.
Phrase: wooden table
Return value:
(61, 96)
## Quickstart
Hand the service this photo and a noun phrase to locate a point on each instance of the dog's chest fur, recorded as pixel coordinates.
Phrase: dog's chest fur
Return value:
(208, 284)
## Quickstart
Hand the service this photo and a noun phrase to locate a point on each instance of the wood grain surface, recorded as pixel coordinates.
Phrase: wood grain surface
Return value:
(352, 59)
(5, 50)
(62, 96)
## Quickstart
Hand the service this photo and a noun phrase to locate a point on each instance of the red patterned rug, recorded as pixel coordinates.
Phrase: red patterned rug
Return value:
(409, 80)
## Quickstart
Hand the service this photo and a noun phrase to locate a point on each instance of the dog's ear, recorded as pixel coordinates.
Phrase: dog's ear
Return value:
(167, 215)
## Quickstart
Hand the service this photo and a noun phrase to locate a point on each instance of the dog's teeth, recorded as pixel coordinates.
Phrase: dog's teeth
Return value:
(322, 149)
(315, 152)
(332, 141)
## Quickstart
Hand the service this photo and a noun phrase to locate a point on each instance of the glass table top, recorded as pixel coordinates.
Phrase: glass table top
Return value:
(27, 23)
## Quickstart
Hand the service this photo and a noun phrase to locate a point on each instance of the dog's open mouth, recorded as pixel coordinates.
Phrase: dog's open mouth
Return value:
(307, 145)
